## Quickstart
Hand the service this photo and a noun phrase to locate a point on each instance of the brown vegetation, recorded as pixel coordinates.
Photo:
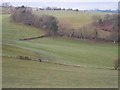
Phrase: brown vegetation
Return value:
(116, 64)
(24, 15)
(109, 23)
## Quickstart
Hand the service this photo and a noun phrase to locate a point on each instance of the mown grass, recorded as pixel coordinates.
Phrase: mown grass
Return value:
(95, 60)
(18, 73)
(73, 51)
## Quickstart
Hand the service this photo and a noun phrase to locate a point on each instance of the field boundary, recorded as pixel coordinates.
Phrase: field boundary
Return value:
(26, 58)
(38, 59)
(31, 38)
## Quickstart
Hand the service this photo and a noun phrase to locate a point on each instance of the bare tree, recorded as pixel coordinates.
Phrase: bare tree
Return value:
(5, 4)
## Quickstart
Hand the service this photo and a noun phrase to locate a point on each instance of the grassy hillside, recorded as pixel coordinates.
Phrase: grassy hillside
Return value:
(30, 74)
(95, 60)
(72, 18)
(76, 20)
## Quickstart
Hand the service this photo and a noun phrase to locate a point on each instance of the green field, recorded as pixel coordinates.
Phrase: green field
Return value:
(76, 20)
(95, 60)
(31, 74)
(72, 18)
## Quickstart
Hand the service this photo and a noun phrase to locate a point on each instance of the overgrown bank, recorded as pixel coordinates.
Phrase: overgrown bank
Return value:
(24, 15)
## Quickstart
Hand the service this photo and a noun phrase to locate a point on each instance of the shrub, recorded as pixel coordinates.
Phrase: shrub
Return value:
(116, 64)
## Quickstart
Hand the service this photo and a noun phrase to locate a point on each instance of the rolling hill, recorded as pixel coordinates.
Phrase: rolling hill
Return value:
(94, 60)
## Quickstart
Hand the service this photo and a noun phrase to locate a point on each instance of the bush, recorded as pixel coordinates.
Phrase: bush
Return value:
(116, 64)
(88, 32)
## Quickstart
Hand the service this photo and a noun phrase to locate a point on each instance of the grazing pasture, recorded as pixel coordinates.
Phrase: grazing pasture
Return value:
(72, 18)
(32, 74)
(95, 60)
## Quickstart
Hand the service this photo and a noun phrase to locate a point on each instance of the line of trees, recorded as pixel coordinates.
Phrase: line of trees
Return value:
(71, 9)
(85, 32)
(108, 23)
(24, 15)
(57, 9)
